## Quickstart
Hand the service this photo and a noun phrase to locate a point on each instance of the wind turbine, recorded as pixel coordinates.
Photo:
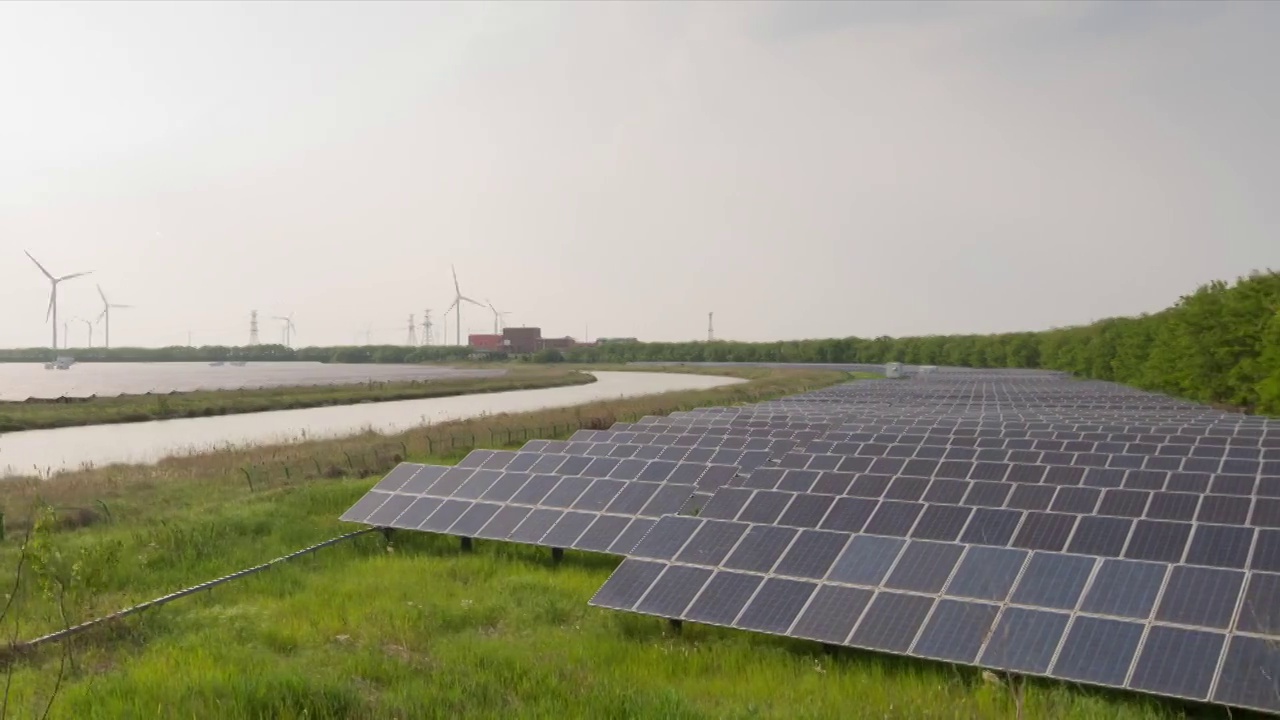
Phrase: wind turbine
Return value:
(52, 312)
(106, 315)
(498, 321)
(289, 328)
(458, 299)
(88, 324)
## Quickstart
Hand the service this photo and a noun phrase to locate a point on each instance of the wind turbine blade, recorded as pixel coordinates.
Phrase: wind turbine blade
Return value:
(53, 297)
(104, 314)
(121, 306)
(102, 295)
(477, 303)
(74, 275)
(451, 307)
(37, 262)
(452, 269)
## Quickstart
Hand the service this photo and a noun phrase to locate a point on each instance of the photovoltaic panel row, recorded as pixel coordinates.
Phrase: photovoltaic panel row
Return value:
(1190, 632)
(661, 434)
(856, 420)
(1026, 390)
(739, 421)
(893, 393)
(647, 434)
(1111, 443)
(581, 513)
(994, 422)
(992, 464)
(605, 457)
(773, 446)
(651, 463)
(862, 421)
(1183, 505)
(1181, 540)
(1025, 473)
(1008, 406)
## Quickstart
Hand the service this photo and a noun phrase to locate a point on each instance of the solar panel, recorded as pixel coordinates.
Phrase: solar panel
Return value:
(1013, 520)
(1152, 626)
(598, 514)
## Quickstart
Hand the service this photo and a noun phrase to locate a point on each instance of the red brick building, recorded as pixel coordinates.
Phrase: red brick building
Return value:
(522, 340)
(489, 343)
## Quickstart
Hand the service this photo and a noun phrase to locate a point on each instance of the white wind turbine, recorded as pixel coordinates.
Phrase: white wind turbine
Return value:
(289, 328)
(458, 299)
(52, 312)
(498, 318)
(89, 326)
(107, 307)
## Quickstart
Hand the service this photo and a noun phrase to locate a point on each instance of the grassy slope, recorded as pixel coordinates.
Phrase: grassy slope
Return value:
(421, 630)
(16, 416)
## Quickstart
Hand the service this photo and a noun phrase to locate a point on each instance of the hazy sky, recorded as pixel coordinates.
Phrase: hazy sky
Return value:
(800, 169)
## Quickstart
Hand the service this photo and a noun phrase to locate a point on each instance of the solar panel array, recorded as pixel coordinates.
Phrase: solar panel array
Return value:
(1013, 521)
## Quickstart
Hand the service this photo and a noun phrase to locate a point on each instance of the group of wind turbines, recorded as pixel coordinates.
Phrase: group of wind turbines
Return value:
(51, 314)
(456, 307)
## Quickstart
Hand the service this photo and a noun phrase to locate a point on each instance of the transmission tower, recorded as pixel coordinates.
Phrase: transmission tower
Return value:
(711, 328)
(426, 327)
(413, 332)
(253, 327)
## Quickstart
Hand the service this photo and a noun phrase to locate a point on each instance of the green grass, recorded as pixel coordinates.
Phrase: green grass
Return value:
(422, 630)
(15, 416)
(417, 629)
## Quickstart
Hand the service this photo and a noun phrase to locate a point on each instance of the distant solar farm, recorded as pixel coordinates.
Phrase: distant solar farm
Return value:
(1015, 521)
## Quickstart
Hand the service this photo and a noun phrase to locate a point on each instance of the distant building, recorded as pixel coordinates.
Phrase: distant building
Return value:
(488, 343)
(560, 343)
(522, 340)
(607, 341)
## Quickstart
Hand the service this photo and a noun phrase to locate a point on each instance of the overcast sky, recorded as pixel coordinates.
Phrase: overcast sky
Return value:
(800, 169)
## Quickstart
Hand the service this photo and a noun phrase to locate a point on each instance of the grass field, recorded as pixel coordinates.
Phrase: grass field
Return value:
(15, 416)
(414, 629)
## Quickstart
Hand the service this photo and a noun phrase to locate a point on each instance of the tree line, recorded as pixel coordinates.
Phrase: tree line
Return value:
(1219, 344)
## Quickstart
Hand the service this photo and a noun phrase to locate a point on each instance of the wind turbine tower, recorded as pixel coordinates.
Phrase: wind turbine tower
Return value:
(107, 307)
(288, 328)
(89, 326)
(458, 299)
(52, 313)
(711, 328)
(413, 332)
(426, 327)
(253, 327)
(498, 321)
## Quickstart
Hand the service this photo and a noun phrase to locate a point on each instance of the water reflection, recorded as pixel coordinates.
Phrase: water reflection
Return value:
(19, 381)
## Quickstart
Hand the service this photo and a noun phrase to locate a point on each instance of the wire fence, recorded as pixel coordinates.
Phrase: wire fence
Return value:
(208, 585)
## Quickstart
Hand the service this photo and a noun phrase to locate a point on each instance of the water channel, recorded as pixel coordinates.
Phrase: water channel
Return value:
(44, 451)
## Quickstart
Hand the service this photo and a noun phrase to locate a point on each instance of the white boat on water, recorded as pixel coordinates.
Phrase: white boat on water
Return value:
(62, 362)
